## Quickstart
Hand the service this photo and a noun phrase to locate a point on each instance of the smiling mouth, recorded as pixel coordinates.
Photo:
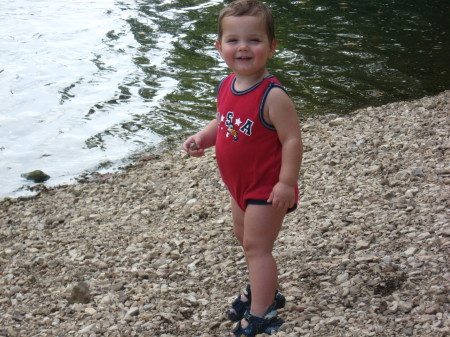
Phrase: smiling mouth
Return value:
(244, 58)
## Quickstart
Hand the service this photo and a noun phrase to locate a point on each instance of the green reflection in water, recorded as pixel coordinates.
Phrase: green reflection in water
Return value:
(347, 55)
(333, 57)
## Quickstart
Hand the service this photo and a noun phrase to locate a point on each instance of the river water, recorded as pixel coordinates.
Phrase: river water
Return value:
(86, 84)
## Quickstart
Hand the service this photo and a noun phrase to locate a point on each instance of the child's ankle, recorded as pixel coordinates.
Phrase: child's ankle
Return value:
(256, 315)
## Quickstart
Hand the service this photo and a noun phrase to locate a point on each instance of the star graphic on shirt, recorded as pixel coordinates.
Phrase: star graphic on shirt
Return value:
(222, 118)
(238, 122)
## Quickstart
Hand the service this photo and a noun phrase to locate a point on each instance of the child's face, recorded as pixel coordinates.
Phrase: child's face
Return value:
(245, 46)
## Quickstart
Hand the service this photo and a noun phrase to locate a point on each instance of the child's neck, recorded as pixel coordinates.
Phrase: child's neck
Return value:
(246, 82)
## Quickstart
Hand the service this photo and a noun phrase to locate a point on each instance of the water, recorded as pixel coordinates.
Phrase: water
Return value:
(86, 84)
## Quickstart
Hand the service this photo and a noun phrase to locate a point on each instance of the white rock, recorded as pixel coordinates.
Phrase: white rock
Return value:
(342, 278)
(107, 299)
(404, 306)
(362, 245)
(337, 121)
(132, 312)
(90, 311)
(86, 329)
(410, 251)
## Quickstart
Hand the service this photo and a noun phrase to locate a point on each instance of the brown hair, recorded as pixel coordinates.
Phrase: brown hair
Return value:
(251, 8)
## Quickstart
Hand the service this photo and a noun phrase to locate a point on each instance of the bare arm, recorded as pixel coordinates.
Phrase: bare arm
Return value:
(198, 143)
(281, 113)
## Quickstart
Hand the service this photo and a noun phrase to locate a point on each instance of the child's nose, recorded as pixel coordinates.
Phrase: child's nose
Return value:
(242, 46)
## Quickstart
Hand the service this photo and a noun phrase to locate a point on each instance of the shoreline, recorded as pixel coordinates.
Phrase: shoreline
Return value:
(366, 252)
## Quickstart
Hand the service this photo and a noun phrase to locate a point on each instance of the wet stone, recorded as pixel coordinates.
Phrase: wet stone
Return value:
(37, 176)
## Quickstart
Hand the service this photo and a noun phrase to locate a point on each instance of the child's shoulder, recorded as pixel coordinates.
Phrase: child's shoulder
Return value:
(278, 94)
(276, 88)
(226, 79)
(274, 82)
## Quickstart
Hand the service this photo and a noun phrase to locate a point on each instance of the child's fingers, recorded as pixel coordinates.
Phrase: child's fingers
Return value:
(192, 147)
(274, 199)
(280, 203)
(197, 153)
(186, 144)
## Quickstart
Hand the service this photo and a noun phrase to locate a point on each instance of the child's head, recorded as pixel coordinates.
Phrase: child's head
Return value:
(250, 8)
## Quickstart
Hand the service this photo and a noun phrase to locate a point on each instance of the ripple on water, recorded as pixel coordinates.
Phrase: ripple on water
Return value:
(93, 81)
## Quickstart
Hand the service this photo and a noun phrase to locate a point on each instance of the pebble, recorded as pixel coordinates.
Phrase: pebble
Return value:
(80, 293)
(150, 251)
(362, 245)
(86, 329)
(410, 251)
(342, 278)
(90, 311)
(132, 312)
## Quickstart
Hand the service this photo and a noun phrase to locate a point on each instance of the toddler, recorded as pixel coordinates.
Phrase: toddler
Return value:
(259, 150)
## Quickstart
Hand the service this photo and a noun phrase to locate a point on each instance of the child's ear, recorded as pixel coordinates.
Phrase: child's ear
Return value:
(218, 46)
(273, 48)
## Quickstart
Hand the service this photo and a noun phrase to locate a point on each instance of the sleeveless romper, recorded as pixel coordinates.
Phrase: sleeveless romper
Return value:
(248, 151)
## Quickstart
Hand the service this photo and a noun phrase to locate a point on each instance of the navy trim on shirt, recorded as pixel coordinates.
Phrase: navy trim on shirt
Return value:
(263, 102)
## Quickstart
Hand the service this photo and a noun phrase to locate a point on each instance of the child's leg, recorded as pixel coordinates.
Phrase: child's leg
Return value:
(238, 221)
(238, 227)
(262, 224)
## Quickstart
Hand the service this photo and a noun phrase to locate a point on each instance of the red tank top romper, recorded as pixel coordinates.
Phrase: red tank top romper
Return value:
(248, 150)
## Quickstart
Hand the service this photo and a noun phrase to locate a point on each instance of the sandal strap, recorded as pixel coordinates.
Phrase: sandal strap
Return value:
(270, 314)
(257, 325)
(247, 292)
(279, 298)
(239, 307)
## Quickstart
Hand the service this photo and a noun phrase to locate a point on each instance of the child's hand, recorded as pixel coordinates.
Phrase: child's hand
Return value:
(198, 143)
(193, 146)
(282, 196)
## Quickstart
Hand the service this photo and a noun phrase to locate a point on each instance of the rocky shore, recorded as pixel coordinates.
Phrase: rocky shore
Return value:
(150, 251)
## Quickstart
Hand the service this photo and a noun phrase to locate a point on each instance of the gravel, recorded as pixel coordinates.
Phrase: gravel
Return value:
(150, 251)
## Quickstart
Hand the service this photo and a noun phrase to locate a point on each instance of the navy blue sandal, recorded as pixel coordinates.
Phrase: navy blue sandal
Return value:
(257, 325)
(239, 307)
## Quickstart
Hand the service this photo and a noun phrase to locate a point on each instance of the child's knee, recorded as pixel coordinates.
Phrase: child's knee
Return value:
(239, 234)
(255, 248)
